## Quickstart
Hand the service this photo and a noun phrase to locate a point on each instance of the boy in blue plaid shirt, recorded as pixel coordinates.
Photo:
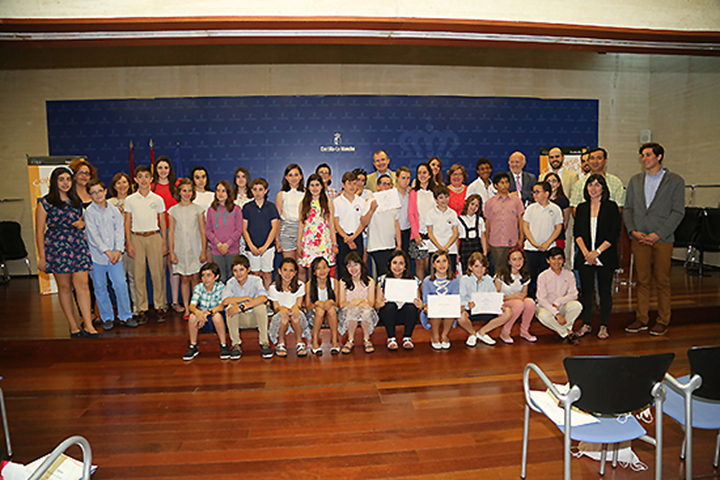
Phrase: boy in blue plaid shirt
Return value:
(206, 303)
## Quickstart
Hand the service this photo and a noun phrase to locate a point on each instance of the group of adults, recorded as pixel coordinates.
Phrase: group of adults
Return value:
(593, 203)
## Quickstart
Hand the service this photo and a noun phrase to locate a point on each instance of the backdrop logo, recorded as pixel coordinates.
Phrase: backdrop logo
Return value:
(337, 145)
(429, 142)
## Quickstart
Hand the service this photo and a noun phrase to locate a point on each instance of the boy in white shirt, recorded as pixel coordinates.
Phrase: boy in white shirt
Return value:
(351, 217)
(145, 231)
(442, 226)
(383, 230)
(542, 224)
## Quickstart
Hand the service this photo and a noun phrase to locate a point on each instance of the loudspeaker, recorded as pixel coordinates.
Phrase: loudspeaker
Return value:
(645, 136)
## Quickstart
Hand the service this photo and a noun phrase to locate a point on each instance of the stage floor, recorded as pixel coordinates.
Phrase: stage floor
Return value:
(423, 414)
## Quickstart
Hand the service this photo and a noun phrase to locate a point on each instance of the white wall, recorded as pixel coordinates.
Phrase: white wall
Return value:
(654, 14)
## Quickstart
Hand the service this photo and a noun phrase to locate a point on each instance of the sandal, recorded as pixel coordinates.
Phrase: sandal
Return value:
(408, 344)
(335, 350)
(392, 344)
(369, 347)
(347, 348)
(301, 349)
(584, 330)
(603, 333)
(177, 307)
(280, 350)
(316, 351)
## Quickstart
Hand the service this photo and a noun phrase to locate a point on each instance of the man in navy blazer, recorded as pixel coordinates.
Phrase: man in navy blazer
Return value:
(524, 180)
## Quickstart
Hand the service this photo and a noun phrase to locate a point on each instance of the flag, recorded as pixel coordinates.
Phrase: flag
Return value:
(152, 155)
(177, 162)
(131, 161)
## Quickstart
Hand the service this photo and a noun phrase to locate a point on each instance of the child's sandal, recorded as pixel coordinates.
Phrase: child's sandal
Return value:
(335, 350)
(603, 333)
(392, 344)
(369, 347)
(347, 348)
(280, 350)
(301, 350)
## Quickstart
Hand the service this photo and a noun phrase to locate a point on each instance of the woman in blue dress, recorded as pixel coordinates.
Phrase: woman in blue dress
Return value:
(63, 249)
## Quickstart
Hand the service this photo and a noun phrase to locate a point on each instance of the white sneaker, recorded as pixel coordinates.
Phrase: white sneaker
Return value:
(436, 345)
(487, 339)
(471, 340)
(445, 345)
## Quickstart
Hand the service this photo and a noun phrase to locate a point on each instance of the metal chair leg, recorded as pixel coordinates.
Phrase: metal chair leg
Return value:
(603, 458)
(27, 264)
(7, 430)
(717, 450)
(684, 444)
(616, 452)
(526, 431)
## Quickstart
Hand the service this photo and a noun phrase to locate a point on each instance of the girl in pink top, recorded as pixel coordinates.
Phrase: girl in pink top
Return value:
(512, 281)
(223, 228)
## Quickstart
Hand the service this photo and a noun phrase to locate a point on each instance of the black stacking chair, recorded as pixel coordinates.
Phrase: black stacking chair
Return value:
(686, 234)
(709, 237)
(607, 388)
(12, 246)
(695, 399)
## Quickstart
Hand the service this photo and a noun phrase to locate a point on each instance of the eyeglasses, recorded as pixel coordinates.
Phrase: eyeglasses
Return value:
(83, 173)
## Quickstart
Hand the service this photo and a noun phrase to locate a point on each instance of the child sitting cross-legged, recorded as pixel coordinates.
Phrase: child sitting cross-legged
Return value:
(287, 294)
(557, 304)
(206, 304)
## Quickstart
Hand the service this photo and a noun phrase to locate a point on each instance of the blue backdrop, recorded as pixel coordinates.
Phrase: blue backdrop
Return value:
(265, 134)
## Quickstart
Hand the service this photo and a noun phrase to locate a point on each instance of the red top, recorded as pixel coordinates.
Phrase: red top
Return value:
(457, 200)
(164, 192)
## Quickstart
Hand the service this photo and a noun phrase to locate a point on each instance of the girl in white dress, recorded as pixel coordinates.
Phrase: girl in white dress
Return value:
(287, 294)
(187, 240)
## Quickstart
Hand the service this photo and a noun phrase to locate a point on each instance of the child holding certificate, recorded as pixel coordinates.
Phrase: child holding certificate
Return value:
(321, 304)
(357, 296)
(441, 281)
(393, 311)
(512, 280)
(476, 280)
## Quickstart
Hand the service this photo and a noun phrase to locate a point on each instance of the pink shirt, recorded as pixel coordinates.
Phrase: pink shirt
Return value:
(502, 216)
(557, 289)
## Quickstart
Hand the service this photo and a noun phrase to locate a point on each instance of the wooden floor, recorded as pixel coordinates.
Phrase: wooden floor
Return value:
(411, 415)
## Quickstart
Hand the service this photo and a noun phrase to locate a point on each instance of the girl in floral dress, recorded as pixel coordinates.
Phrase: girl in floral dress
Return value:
(62, 248)
(316, 229)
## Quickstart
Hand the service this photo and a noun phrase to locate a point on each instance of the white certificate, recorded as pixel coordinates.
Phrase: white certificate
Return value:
(487, 302)
(400, 290)
(443, 306)
(387, 200)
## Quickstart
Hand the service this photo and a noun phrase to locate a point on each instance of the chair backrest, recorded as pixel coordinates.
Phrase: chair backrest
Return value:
(687, 232)
(709, 238)
(12, 246)
(616, 385)
(705, 361)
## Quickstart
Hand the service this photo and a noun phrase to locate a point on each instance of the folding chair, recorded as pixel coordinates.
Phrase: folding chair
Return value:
(695, 399)
(609, 388)
(59, 450)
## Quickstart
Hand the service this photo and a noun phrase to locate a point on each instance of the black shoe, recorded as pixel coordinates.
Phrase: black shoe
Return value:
(108, 325)
(224, 352)
(87, 334)
(142, 318)
(572, 339)
(162, 315)
(265, 351)
(236, 353)
(191, 353)
(130, 322)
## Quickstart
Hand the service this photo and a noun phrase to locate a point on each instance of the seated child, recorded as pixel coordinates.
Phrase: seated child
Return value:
(357, 297)
(321, 304)
(441, 281)
(287, 294)
(557, 304)
(476, 280)
(244, 298)
(394, 312)
(206, 304)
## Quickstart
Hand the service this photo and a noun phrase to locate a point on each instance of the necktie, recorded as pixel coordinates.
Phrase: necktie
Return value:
(518, 185)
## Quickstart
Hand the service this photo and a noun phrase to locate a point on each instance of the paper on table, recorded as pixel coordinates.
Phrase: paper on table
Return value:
(549, 405)
(487, 302)
(387, 200)
(64, 468)
(400, 290)
(443, 306)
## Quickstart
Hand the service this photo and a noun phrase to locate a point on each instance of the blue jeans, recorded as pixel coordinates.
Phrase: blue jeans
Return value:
(99, 275)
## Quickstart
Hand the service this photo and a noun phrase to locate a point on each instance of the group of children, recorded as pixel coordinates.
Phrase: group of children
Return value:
(187, 226)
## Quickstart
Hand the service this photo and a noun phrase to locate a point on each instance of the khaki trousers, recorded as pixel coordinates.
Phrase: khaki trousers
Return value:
(652, 264)
(571, 311)
(149, 249)
(255, 318)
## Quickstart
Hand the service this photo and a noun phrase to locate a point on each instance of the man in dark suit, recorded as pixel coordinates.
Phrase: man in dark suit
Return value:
(521, 181)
